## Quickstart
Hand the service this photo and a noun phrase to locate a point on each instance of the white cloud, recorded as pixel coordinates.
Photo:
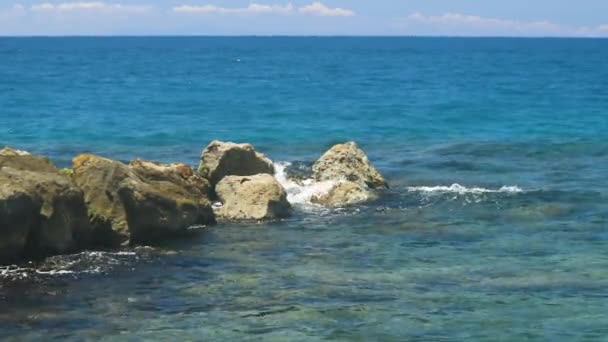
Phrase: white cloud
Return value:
(251, 9)
(88, 6)
(317, 8)
(602, 28)
(473, 21)
(457, 24)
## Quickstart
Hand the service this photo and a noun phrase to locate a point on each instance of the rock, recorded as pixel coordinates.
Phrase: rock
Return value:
(178, 173)
(344, 193)
(27, 162)
(254, 197)
(162, 209)
(63, 225)
(7, 151)
(100, 178)
(348, 162)
(220, 159)
(19, 210)
(140, 203)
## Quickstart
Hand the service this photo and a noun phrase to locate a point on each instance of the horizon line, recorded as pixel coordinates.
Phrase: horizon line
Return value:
(287, 36)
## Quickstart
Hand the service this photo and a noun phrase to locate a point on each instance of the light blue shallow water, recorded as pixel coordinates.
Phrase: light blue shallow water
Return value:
(460, 264)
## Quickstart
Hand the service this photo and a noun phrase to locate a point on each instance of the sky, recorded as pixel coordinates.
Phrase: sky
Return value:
(519, 18)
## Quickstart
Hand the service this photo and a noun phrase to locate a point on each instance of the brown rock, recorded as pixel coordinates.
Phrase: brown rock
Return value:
(178, 173)
(220, 159)
(348, 162)
(254, 197)
(344, 193)
(141, 203)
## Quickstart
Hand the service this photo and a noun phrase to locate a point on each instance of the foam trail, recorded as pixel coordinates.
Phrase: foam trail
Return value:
(461, 190)
(300, 194)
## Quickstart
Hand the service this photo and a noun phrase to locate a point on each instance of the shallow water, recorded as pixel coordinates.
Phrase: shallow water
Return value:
(494, 228)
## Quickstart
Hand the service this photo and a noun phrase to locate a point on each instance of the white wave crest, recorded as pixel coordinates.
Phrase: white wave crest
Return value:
(300, 194)
(461, 190)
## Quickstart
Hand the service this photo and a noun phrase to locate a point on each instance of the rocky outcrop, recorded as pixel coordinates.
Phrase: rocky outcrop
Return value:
(254, 197)
(7, 151)
(60, 223)
(344, 193)
(140, 203)
(63, 224)
(27, 162)
(220, 159)
(161, 209)
(348, 162)
(177, 173)
(19, 210)
(355, 179)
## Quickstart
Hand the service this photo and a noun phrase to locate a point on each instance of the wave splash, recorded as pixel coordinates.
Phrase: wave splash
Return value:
(462, 190)
(300, 193)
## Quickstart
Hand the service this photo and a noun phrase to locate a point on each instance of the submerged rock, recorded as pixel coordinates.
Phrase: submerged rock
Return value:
(348, 162)
(220, 159)
(254, 197)
(344, 193)
(140, 203)
(60, 223)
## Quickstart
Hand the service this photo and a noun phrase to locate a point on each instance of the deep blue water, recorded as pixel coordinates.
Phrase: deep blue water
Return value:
(460, 264)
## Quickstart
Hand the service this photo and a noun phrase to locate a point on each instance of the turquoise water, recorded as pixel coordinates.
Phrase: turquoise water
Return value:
(517, 250)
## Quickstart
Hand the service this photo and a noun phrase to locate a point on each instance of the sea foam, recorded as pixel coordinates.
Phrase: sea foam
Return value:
(461, 190)
(300, 194)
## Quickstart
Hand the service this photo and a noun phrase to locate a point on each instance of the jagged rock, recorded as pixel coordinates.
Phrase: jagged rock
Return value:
(254, 197)
(348, 162)
(125, 207)
(344, 193)
(19, 210)
(220, 159)
(178, 173)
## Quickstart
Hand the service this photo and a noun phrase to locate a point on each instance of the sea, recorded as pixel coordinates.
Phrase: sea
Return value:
(494, 228)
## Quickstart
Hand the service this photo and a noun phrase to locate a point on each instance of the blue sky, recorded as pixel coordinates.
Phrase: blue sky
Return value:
(529, 18)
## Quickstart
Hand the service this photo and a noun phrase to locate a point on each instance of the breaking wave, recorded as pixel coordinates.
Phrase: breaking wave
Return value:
(302, 192)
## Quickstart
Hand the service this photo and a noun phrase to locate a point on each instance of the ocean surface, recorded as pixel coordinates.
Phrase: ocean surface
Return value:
(495, 227)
